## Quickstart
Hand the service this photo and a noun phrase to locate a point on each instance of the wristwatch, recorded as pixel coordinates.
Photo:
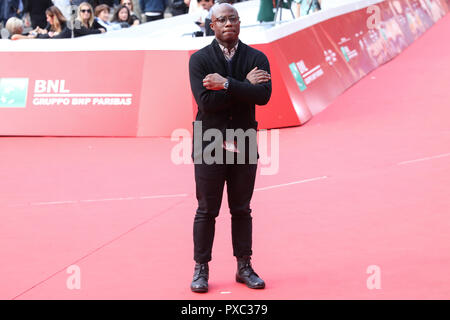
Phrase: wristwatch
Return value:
(225, 85)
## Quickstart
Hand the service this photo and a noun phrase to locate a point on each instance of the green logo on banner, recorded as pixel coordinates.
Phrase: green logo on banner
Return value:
(344, 51)
(13, 92)
(298, 77)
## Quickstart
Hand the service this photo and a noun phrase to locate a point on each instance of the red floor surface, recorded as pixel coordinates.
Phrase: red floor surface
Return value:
(120, 210)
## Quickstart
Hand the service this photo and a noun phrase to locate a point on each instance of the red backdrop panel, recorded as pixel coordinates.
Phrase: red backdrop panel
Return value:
(147, 93)
(85, 93)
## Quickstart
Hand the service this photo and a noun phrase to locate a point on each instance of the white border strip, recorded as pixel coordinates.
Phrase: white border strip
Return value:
(424, 159)
(89, 95)
(179, 195)
(290, 183)
(48, 203)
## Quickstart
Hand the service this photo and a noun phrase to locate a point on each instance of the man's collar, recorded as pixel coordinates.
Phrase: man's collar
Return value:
(228, 53)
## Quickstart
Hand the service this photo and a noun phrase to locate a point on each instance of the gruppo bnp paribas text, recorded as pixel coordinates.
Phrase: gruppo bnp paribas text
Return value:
(55, 93)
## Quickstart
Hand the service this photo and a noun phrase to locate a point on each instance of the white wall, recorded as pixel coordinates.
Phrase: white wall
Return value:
(326, 4)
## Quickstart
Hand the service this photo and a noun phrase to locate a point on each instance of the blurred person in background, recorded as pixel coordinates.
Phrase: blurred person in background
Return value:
(208, 30)
(305, 7)
(56, 26)
(266, 13)
(15, 28)
(204, 13)
(194, 6)
(95, 3)
(134, 18)
(8, 9)
(179, 7)
(36, 9)
(109, 3)
(65, 7)
(122, 16)
(153, 9)
(102, 14)
(78, 2)
(85, 23)
(20, 12)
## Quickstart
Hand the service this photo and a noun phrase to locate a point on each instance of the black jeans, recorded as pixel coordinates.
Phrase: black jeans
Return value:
(210, 181)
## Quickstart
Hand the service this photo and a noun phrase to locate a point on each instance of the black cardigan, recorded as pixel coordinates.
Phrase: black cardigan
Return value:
(78, 31)
(233, 108)
(65, 33)
(81, 30)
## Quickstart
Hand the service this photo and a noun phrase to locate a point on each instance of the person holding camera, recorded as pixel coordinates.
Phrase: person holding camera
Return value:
(203, 14)
(56, 26)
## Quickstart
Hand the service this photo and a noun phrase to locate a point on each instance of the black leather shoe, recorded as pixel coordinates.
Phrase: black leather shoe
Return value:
(200, 280)
(246, 274)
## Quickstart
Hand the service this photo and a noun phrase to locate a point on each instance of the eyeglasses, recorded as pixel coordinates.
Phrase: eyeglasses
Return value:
(86, 10)
(223, 20)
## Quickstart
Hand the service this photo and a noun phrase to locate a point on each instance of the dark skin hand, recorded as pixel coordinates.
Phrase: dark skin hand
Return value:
(227, 34)
(256, 76)
(215, 81)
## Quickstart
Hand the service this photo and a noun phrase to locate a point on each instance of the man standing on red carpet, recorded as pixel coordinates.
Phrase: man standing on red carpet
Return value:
(228, 78)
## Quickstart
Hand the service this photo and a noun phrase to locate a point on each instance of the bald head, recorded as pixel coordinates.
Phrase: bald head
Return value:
(217, 9)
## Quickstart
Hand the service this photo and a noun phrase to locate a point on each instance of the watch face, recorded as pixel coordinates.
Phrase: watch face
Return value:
(225, 85)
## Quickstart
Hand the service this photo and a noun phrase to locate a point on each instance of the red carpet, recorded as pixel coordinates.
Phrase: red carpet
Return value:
(121, 211)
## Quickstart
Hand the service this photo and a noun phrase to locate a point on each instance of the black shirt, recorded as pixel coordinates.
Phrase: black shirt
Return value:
(65, 33)
(81, 30)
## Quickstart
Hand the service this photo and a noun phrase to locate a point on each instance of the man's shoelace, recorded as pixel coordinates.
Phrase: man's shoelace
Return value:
(202, 272)
(248, 267)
